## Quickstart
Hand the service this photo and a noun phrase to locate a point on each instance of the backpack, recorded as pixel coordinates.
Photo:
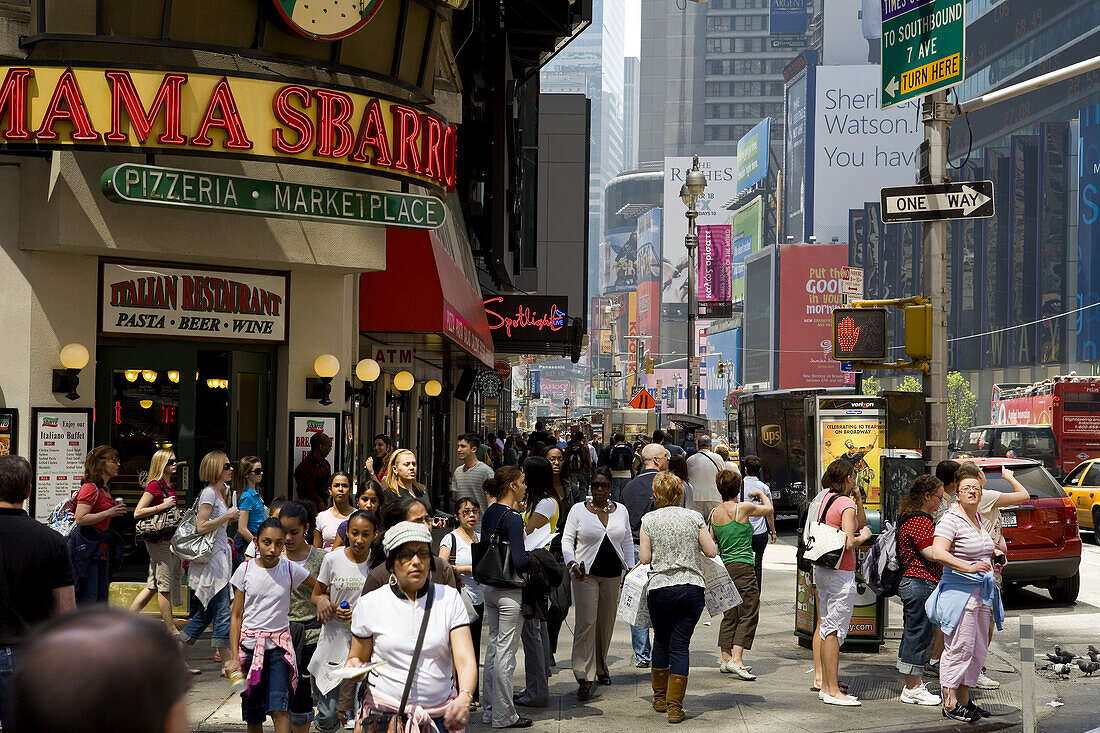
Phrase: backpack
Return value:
(63, 517)
(881, 568)
(574, 461)
(621, 458)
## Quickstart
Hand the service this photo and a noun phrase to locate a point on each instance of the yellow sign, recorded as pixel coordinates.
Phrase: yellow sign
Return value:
(858, 441)
(929, 74)
(55, 107)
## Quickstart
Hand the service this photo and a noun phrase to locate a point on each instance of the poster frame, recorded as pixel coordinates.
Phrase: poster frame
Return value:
(12, 413)
(335, 458)
(35, 411)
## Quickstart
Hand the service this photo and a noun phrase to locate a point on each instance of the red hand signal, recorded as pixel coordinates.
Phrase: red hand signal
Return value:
(847, 333)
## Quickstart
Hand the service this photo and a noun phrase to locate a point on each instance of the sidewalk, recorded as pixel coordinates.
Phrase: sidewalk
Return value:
(780, 699)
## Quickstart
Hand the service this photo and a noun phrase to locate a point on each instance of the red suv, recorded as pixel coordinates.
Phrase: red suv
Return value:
(1044, 547)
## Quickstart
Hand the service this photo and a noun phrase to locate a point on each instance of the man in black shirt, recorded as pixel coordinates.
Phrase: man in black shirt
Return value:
(36, 576)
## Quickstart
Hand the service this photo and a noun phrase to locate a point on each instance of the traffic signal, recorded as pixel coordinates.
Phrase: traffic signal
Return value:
(859, 334)
(721, 370)
(918, 331)
(649, 365)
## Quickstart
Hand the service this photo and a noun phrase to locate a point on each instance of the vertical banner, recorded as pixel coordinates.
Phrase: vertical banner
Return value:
(303, 425)
(631, 343)
(809, 292)
(60, 441)
(1088, 235)
(715, 263)
(534, 387)
(622, 253)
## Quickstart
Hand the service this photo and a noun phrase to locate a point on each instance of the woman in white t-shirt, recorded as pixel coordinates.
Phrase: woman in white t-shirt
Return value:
(260, 640)
(209, 580)
(329, 521)
(385, 627)
(339, 587)
(457, 548)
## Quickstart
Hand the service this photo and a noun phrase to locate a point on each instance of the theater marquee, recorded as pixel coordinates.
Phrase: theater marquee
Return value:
(48, 107)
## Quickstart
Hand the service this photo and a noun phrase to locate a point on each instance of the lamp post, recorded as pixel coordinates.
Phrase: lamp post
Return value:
(694, 185)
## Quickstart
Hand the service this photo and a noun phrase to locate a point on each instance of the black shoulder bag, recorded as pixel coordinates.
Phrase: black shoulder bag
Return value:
(492, 560)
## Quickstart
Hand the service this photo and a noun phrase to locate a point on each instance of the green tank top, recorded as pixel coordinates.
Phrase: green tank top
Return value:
(735, 542)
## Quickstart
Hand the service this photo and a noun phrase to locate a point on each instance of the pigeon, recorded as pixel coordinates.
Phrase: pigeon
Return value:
(1088, 667)
(1062, 670)
(1060, 657)
(1094, 655)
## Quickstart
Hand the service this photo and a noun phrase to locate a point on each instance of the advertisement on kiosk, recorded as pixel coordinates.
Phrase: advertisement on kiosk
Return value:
(850, 428)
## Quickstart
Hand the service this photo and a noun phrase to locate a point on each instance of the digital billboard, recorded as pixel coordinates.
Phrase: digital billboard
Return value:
(745, 232)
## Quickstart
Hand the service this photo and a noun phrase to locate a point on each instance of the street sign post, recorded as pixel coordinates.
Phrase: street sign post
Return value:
(923, 48)
(937, 202)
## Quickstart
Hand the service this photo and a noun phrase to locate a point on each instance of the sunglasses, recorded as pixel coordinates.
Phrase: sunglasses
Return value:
(228, 466)
(171, 461)
(257, 471)
(408, 555)
(468, 513)
(600, 485)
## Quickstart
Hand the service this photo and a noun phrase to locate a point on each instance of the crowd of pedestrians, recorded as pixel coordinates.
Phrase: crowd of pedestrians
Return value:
(324, 610)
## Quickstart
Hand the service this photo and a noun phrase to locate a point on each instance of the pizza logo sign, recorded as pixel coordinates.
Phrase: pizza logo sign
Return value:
(327, 20)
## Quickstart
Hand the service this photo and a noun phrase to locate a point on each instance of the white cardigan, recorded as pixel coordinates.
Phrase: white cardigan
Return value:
(584, 533)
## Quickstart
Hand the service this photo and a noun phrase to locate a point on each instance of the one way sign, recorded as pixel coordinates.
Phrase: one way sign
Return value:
(936, 202)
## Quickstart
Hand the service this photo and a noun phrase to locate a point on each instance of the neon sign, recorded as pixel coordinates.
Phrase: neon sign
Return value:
(526, 317)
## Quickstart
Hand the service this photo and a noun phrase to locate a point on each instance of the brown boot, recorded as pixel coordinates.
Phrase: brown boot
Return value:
(659, 679)
(677, 688)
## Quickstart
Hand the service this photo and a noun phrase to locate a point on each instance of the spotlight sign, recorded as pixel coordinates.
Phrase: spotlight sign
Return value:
(540, 318)
(138, 299)
(50, 107)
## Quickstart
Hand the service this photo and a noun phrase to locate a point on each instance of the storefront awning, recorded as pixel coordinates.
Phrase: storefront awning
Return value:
(423, 291)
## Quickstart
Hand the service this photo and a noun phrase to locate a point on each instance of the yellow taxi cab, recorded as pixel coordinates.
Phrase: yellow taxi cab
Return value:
(1083, 486)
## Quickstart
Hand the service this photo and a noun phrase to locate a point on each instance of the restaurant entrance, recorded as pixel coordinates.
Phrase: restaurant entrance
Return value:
(152, 395)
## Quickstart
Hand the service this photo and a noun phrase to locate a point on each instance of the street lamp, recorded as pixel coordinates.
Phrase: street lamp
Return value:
(694, 185)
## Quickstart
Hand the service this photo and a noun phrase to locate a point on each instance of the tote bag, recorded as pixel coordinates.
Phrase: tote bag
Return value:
(822, 544)
(493, 564)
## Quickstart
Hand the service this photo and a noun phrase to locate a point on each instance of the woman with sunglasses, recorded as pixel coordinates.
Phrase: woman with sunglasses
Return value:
(598, 547)
(165, 569)
(209, 580)
(339, 509)
(457, 548)
(246, 487)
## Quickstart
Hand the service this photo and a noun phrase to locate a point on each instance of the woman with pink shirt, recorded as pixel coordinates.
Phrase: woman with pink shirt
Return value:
(836, 589)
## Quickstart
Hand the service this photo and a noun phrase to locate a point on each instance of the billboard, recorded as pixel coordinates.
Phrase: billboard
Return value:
(728, 344)
(752, 155)
(715, 261)
(621, 247)
(857, 147)
(649, 247)
(1088, 234)
(852, 32)
(787, 16)
(798, 157)
(809, 292)
(759, 325)
(721, 175)
(745, 233)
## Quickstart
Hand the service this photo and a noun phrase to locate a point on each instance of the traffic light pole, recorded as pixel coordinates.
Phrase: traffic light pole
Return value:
(937, 115)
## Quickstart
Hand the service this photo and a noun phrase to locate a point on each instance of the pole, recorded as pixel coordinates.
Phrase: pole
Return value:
(937, 115)
(692, 241)
(1027, 668)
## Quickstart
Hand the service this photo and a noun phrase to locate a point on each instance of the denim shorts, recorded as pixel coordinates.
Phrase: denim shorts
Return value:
(272, 693)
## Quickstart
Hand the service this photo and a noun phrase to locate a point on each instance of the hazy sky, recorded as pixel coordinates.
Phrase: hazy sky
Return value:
(633, 27)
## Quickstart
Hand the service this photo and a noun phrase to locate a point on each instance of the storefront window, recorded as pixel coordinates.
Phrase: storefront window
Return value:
(144, 416)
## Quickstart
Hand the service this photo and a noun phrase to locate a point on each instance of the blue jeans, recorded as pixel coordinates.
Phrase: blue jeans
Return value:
(218, 612)
(92, 583)
(639, 635)
(617, 485)
(675, 611)
(9, 660)
(918, 630)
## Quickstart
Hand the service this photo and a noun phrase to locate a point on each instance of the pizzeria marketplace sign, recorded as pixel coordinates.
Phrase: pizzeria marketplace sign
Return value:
(147, 184)
(155, 300)
(50, 107)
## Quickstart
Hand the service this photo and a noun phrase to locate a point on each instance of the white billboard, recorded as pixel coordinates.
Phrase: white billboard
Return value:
(721, 174)
(858, 147)
(852, 32)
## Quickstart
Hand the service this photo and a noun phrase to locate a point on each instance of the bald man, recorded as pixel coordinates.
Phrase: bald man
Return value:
(637, 497)
(101, 670)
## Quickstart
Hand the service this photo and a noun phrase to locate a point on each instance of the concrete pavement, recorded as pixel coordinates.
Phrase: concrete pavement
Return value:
(780, 699)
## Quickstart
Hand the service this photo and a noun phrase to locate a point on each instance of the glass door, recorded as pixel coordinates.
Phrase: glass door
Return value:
(251, 399)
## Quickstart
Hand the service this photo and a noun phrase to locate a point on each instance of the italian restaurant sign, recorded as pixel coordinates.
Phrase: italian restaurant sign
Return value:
(153, 300)
(49, 107)
(527, 318)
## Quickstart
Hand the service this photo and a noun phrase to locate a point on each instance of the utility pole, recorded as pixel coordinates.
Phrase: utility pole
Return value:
(694, 185)
(937, 115)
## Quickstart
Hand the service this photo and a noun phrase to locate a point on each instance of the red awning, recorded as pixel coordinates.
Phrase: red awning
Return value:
(422, 290)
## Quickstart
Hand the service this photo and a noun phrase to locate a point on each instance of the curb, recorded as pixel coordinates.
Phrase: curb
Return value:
(1004, 721)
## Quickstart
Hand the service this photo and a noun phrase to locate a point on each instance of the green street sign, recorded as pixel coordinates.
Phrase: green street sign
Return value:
(923, 47)
(148, 184)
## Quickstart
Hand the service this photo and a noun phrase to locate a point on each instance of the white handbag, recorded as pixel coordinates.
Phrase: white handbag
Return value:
(823, 544)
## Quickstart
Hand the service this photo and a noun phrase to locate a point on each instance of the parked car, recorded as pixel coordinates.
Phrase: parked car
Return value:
(1011, 441)
(1083, 486)
(1044, 547)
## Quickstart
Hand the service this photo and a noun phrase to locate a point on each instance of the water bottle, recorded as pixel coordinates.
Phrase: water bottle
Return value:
(239, 683)
(344, 605)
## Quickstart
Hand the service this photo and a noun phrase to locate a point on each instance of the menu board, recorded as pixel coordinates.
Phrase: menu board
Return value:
(302, 427)
(61, 440)
(9, 432)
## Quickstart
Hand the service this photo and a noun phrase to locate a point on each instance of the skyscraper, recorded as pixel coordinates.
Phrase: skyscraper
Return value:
(631, 72)
(593, 64)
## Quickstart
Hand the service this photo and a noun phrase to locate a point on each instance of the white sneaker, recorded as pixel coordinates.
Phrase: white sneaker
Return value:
(739, 670)
(984, 683)
(920, 696)
(847, 702)
(350, 725)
